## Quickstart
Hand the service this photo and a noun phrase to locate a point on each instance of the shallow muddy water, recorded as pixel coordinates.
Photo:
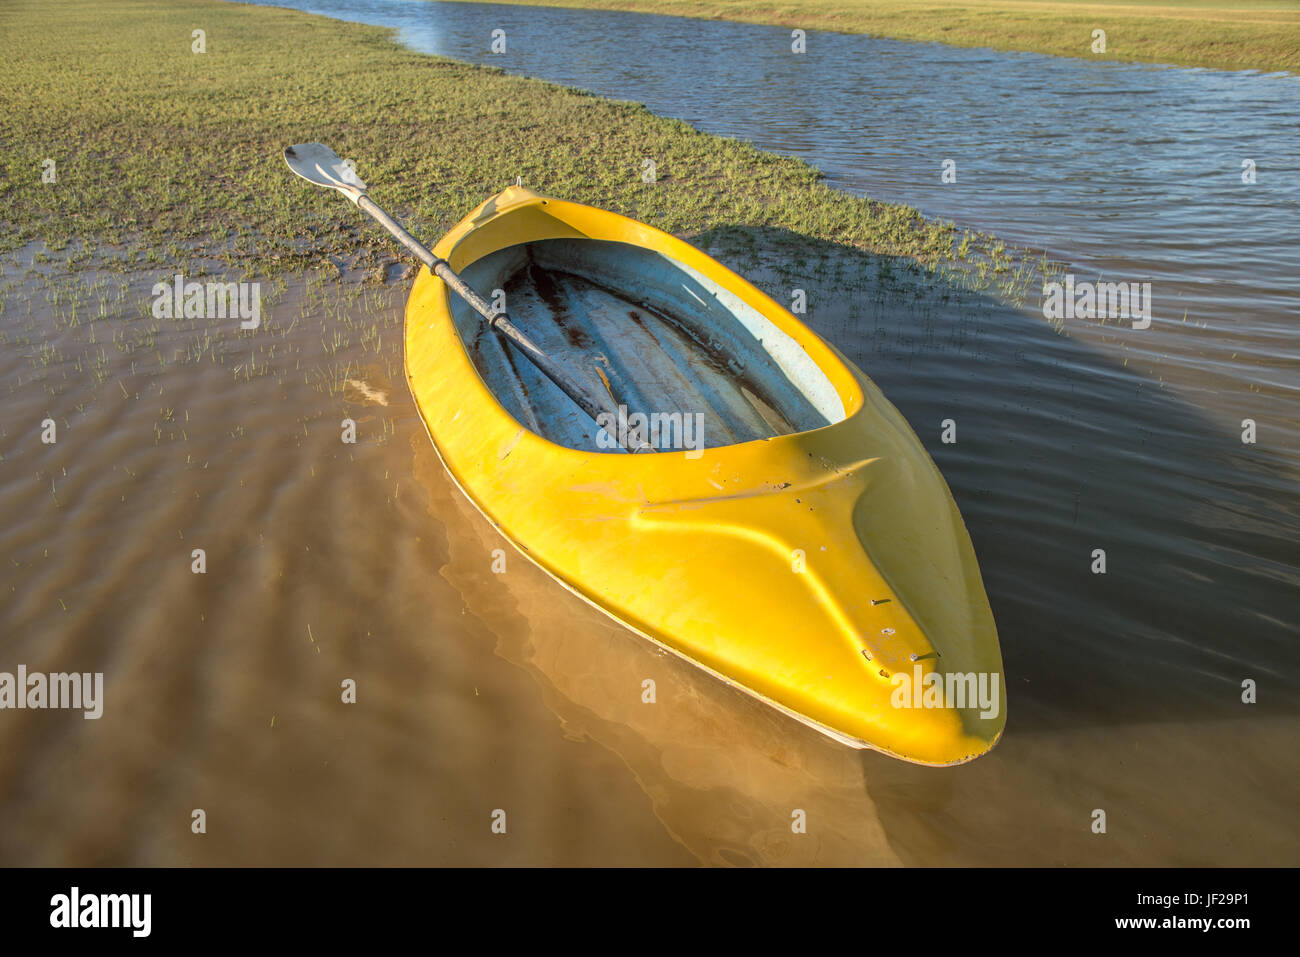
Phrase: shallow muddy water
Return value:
(479, 691)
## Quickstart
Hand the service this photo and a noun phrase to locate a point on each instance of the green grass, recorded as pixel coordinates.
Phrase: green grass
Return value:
(169, 159)
(1251, 35)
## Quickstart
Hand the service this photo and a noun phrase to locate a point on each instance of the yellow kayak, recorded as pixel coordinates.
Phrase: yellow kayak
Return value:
(789, 534)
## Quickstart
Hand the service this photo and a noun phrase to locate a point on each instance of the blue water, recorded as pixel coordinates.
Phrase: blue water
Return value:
(1130, 171)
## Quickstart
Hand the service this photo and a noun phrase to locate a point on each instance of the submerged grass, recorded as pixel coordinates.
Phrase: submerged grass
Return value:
(1250, 35)
(168, 158)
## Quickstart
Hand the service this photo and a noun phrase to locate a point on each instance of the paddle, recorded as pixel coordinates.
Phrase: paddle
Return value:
(321, 166)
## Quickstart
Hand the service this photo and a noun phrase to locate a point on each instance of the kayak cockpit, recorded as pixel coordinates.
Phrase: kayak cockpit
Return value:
(704, 368)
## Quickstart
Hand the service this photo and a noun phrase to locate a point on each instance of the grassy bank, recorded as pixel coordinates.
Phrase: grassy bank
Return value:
(164, 157)
(1253, 35)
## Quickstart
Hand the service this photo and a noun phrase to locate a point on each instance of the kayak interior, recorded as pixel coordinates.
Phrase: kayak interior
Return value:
(704, 367)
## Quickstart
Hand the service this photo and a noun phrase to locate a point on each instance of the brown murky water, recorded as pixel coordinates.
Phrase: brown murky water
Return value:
(478, 691)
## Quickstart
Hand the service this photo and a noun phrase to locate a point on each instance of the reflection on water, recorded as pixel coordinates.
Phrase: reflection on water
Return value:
(723, 772)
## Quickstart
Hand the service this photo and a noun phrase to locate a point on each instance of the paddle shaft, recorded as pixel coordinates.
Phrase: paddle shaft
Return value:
(634, 441)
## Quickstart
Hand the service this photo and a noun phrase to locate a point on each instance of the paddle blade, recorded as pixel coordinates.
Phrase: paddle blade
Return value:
(320, 165)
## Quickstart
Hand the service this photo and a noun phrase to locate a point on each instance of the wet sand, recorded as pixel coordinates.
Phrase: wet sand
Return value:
(479, 691)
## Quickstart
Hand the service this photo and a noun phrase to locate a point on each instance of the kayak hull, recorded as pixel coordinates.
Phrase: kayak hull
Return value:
(826, 572)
